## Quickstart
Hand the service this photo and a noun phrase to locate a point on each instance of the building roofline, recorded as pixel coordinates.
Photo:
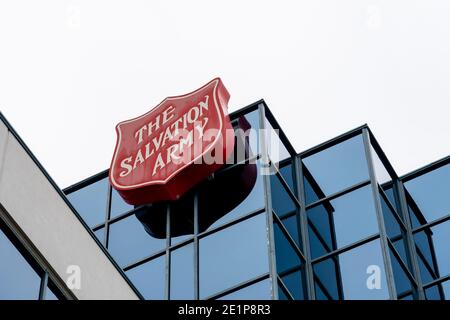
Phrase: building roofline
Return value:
(63, 196)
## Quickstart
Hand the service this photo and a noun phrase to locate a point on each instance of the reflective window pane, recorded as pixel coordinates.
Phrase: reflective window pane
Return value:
(100, 234)
(18, 279)
(395, 232)
(402, 282)
(149, 278)
(233, 255)
(90, 202)
(282, 202)
(182, 273)
(312, 189)
(292, 225)
(438, 292)
(118, 206)
(258, 291)
(288, 174)
(286, 256)
(130, 242)
(339, 167)
(246, 195)
(332, 223)
(431, 193)
(355, 274)
(294, 282)
(433, 244)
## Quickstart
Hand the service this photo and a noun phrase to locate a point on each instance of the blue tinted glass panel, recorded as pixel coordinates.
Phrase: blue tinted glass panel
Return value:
(312, 193)
(282, 295)
(18, 280)
(149, 278)
(282, 203)
(402, 282)
(394, 230)
(352, 274)
(286, 256)
(294, 283)
(90, 202)
(439, 292)
(129, 242)
(100, 234)
(431, 193)
(434, 246)
(246, 195)
(118, 206)
(339, 167)
(287, 174)
(233, 255)
(327, 281)
(333, 222)
(182, 273)
(389, 191)
(320, 295)
(292, 224)
(258, 291)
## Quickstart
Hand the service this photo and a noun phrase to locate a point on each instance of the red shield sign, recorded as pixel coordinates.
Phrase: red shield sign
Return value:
(165, 152)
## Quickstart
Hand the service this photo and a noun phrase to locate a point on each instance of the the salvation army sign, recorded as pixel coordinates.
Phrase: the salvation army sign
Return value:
(165, 152)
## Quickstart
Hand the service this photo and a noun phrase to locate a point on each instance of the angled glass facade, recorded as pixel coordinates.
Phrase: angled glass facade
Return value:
(331, 223)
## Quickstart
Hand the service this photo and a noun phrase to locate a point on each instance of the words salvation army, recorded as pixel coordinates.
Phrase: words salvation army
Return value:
(151, 139)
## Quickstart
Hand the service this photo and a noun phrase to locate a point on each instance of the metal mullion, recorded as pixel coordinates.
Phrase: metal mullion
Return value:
(43, 286)
(268, 204)
(383, 234)
(168, 254)
(412, 253)
(345, 248)
(286, 187)
(238, 286)
(284, 288)
(125, 215)
(391, 207)
(319, 236)
(425, 263)
(323, 288)
(332, 142)
(254, 158)
(432, 224)
(107, 217)
(231, 223)
(144, 260)
(291, 270)
(402, 263)
(196, 250)
(181, 244)
(288, 236)
(303, 221)
(338, 194)
(425, 169)
(436, 282)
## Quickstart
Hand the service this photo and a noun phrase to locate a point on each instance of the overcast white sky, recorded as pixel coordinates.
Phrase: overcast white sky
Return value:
(71, 70)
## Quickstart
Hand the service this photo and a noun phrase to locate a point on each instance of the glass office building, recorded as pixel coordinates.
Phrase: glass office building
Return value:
(333, 222)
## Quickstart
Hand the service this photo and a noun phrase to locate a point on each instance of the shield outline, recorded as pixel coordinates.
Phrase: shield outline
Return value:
(219, 108)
